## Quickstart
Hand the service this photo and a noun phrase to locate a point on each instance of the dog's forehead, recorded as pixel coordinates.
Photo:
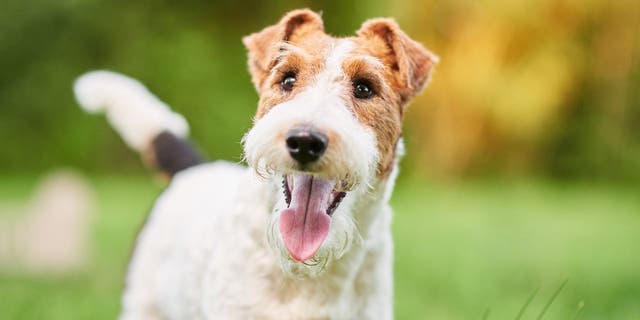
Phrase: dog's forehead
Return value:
(338, 51)
(332, 51)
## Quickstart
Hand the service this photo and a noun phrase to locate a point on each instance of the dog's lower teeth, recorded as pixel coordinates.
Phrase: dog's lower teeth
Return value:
(286, 191)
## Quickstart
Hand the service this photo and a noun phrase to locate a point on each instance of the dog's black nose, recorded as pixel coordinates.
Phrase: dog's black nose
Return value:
(306, 145)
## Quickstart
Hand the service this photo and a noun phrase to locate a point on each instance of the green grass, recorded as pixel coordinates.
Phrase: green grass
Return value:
(474, 250)
(466, 248)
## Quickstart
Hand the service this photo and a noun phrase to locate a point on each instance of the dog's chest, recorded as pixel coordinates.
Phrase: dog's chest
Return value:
(243, 280)
(263, 291)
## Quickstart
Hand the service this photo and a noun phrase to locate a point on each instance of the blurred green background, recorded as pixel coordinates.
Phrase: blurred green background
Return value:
(523, 162)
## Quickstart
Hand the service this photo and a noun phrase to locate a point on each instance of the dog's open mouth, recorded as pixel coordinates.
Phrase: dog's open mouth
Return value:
(305, 223)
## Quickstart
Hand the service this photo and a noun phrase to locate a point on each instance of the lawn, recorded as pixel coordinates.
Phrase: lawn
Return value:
(470, 250)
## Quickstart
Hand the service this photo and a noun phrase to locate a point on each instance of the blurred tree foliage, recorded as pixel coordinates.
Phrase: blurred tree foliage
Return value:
(540, 86)
(523, 87)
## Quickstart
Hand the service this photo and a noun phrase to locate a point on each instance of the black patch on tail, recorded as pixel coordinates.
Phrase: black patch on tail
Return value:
(172, 154)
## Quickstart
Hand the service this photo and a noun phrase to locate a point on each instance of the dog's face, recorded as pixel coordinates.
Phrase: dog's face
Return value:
(328, 122)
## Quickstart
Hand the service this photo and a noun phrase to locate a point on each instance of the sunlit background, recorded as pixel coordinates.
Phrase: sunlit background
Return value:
(519, 196)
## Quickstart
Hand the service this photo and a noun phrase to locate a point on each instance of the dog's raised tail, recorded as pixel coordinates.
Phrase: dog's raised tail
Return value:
(145, 123)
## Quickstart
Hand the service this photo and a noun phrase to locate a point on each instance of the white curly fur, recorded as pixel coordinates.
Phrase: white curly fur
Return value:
(134, 112)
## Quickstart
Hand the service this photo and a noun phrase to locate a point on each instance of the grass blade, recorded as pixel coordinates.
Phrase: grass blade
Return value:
(526, 304)
(485, 316)
(579, 311)
(553, 298)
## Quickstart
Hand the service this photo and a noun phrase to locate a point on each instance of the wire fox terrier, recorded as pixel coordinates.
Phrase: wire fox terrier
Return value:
(305, 232)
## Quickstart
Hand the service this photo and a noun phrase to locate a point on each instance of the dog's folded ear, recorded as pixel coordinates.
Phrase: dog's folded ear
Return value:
(409, 60)
(263, 46)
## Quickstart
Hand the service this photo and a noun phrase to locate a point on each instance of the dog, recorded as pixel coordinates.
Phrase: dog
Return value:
(304, 232)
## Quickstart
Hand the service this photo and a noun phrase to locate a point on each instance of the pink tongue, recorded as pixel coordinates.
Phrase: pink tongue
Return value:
(305, 224)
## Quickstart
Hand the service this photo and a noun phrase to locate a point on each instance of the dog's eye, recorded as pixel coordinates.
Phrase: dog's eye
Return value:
(288, 81)
(362, 89)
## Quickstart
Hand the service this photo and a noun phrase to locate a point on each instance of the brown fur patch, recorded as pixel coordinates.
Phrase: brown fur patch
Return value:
(410, 62)
(291, 58)
(381, 112)
(263, 45)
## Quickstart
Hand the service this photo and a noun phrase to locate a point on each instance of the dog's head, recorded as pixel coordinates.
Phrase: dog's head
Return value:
(327, 127)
